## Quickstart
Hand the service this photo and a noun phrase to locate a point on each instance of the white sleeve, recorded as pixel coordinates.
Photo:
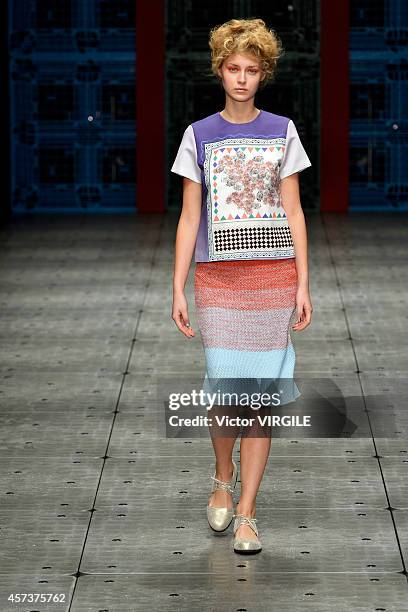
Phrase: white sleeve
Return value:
(185, 163)
(294, 157)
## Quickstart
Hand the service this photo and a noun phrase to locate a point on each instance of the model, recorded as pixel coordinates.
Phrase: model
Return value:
(242, 218)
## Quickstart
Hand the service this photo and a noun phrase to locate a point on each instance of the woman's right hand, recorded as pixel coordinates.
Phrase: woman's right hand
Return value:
(180, 314)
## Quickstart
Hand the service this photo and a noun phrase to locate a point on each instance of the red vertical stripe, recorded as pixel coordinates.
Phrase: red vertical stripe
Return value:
(334, 110)
(150, 136)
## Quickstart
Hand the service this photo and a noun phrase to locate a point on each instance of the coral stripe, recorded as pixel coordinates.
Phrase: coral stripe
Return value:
(248, 274)
(265, 299)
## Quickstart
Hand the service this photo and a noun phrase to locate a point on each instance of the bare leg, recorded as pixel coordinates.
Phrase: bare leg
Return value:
(223, 445)
(254, 454)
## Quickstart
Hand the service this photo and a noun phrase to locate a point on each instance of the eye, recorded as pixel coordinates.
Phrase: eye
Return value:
(251, 70)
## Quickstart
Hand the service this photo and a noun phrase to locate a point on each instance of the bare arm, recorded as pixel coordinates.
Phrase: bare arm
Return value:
(186, 236)
(291, 203)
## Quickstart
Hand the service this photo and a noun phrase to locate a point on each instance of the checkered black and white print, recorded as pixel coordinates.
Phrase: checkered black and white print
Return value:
(244, 238)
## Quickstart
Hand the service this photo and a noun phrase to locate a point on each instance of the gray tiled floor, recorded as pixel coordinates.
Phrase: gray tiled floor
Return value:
(99, 508)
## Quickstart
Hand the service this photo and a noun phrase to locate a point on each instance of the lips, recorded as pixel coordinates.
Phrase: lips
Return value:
(240, 89)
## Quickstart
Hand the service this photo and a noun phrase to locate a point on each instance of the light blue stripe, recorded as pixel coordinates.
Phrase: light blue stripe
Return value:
(227, 364)
(230, 363)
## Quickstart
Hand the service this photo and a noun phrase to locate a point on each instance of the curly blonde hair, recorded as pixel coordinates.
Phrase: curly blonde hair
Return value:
(245, 36)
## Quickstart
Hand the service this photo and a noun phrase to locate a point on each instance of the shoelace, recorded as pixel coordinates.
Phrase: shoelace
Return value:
(220, 484)
(246, 520)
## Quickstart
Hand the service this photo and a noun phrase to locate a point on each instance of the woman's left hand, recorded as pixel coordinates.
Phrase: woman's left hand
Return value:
(304, 309)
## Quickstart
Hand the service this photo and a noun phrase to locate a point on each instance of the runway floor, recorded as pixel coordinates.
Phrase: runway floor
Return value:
(101, 511)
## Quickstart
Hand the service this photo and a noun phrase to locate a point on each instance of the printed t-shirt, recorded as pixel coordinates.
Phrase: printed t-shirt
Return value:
(240, 166)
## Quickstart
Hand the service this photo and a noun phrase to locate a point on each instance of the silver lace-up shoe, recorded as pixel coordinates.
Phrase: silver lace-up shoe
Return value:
(220, 518)
(246, 546)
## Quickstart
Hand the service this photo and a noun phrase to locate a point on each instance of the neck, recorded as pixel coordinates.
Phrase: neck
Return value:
(239, 115)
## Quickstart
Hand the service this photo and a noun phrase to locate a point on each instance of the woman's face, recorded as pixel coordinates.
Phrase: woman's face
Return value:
(241, 75)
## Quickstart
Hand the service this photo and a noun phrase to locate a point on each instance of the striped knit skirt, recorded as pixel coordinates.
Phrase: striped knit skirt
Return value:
(245, 310)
